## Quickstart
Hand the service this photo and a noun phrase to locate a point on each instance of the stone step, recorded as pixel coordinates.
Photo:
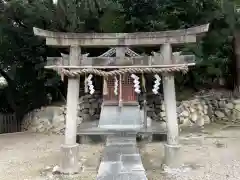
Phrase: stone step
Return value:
(113, 117)
(125, 176)
(98, 135)
(96, 139)
(119, 130)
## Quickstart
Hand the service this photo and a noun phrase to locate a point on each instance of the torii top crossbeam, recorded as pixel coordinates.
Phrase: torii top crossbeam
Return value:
(122, 39)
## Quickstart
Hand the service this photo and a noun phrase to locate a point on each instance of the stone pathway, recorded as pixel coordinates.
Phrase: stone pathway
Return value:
(121, 160)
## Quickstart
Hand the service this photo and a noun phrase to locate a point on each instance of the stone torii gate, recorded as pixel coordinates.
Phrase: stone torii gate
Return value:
(163, 63)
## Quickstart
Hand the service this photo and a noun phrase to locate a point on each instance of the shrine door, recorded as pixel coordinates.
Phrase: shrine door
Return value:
(128, 93)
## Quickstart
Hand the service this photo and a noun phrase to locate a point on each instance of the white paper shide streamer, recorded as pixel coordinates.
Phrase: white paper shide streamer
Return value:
(86, 84)
(156, 84)
(3, 82)
(136, 83)
(115, 86)
(55, 2)
(90, 84)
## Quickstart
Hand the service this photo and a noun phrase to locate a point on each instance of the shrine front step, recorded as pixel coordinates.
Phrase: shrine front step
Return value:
(99, 135)
(124, 121)
(126, 117)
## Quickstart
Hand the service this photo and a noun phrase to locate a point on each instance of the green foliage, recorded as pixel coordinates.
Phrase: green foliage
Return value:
(22, 55)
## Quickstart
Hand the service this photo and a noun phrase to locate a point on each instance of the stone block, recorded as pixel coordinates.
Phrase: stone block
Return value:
(131, 163)
(108, 168)
(171, 154)
(69, 160)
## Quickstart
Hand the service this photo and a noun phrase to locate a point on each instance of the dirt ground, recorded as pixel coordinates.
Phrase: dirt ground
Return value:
(206, 156)
(203, 156)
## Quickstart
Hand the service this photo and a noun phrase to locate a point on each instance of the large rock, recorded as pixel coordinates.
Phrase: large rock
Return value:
(50, 119)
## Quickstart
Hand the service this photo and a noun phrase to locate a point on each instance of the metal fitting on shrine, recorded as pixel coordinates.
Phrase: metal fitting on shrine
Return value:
(156, 84)
(90, 84)
(115, 86)
(136, 83)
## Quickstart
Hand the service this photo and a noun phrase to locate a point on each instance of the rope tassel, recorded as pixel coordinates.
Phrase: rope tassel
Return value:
(105, 87)
(144, 83)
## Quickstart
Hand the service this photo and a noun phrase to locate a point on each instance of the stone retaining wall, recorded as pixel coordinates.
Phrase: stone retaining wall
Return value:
(199, 110)
(89, 107)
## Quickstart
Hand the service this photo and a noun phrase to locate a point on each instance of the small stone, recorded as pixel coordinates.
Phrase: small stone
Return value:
(91, 112)
(219, 114)
(87, 105)
(222, 104)
(194, 117)
(210, 111)
(184, 113)
(206, 120)
(228, 112)
(236, 101)
(181, 120)
(192, 109)
(47, 168)
(201, 113)
(163, 125)
(56, 170)
(229, 105)
(162, 114)
(237, 107)
(205, 111)
(200, 121)
(200, 107)
(235, 115)
(163, 107)
(184, 121)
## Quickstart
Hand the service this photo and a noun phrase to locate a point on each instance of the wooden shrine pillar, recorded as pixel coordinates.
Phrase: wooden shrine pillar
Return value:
(120, 52)
(172, 145)
(69, 164)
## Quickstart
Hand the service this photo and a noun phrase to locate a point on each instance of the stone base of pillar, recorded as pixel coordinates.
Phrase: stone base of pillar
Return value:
(171, 154)
(69, 161)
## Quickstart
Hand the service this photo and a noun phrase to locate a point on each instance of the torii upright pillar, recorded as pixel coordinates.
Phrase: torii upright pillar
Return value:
(70, 149)
(172, 145)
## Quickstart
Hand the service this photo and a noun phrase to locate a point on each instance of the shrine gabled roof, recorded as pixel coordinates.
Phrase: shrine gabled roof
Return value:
(180, 36)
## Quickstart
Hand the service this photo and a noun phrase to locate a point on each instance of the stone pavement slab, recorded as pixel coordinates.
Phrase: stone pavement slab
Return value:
(121, 160)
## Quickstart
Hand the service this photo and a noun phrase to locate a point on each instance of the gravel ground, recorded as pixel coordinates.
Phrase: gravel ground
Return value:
(206, 157)
(23, 156)
(202, 157)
